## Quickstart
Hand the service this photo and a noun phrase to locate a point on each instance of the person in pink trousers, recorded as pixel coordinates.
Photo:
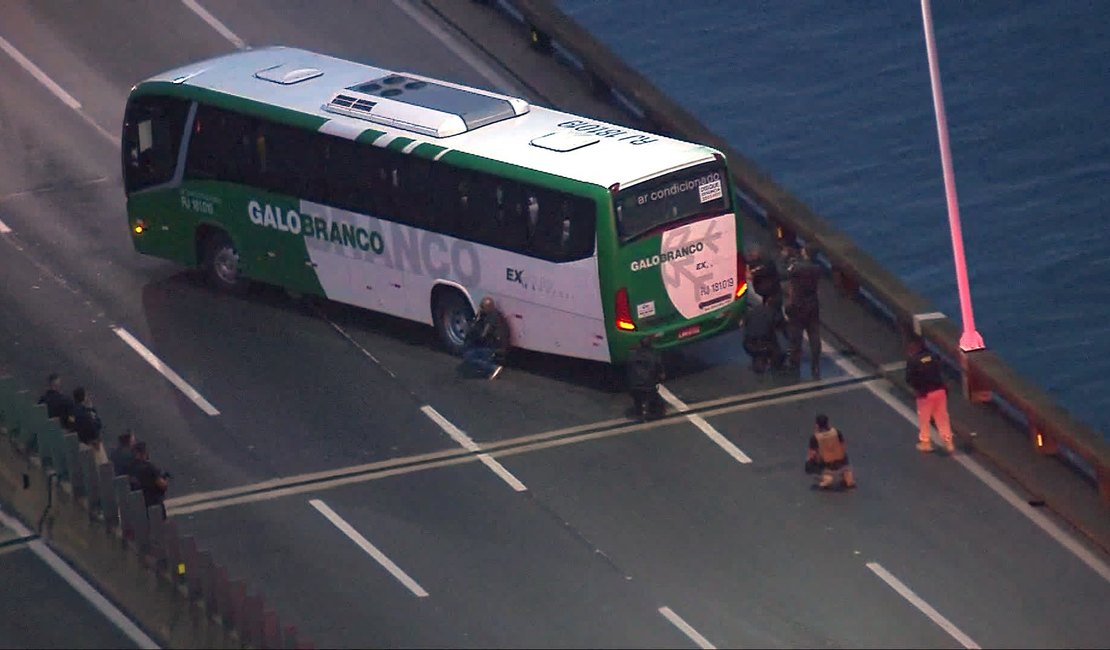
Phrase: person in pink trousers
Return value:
(924, 376)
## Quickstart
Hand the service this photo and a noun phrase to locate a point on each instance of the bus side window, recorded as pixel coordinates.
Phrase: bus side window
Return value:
(412, 180)
(153, 129)
(222, 146)
(510, 222)
(564, 227)
(579, 226)
(445, 198)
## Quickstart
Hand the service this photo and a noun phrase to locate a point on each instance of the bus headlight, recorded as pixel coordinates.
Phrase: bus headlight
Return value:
(139, 227)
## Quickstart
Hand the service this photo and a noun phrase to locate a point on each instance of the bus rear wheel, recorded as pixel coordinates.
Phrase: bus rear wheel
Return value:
(452, 315)
(221, 264)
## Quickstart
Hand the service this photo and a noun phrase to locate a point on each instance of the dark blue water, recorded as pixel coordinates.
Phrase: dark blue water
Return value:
(833, 100)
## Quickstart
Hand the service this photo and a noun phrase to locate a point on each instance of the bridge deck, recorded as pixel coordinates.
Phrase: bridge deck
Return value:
(323, 460)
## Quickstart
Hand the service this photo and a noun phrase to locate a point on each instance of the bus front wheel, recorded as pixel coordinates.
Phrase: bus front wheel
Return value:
(221, 264)
(452, 317)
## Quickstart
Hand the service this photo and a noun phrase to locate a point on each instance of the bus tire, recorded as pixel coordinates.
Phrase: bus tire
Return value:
(221, 264)
(451, 313)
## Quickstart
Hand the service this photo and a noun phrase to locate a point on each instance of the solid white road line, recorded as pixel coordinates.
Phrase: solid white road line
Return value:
(80, 585)
(926, 608)
(4, 229)
(38, 74)
(686, 628)
(372, 550)
(1054, 531)
(215, 23)
(500, 82)
(458, 436)
(707, 429)
(54, 88)
(166, 371)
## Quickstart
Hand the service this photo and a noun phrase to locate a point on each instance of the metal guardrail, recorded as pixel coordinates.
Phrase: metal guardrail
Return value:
(221, 611)
(986, 376)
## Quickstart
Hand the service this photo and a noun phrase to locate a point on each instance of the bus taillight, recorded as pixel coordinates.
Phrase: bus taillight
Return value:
(741, 275)
(624, 311)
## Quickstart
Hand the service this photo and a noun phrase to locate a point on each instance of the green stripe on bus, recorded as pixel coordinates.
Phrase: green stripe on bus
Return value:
(428, 150)
(400, 143)
(369, 135)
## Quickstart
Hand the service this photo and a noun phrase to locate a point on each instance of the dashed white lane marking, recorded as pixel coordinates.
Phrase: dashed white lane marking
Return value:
(706, 428)
(1054, 531)
(500, 82)
(4, 229)
(80, 585)
(54, 88)
(372, 550)
(919, 603)
(458, 436)
(686, 629)
(215, 23)
(166, 371)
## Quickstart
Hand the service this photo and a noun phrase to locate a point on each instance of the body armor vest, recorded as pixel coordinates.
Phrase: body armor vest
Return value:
(829, 447)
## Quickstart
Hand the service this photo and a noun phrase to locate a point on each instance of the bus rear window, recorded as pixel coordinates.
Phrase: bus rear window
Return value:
(701, 190)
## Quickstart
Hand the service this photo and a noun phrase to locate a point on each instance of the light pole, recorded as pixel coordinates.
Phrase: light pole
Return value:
(969, 339)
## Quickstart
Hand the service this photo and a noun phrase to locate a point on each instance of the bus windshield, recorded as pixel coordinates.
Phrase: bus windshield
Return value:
(701, 190)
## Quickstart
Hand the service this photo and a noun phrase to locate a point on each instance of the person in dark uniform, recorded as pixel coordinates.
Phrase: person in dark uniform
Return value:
(764, 279)
(58, 404)
(87, 424)
(802, 307)
(645, 371)
(150, 479)
(827, 456)
(924, 376)
(761, 342)
(487, 340)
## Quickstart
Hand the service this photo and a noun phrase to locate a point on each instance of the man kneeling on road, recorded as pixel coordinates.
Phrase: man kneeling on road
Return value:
(487, 340)
(826, 455)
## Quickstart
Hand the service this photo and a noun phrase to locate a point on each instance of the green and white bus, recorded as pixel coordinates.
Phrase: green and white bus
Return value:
(417, 197)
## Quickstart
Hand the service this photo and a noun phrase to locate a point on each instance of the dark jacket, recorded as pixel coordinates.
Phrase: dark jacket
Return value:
(803, 276)
(760, 322)
(121, 458)
(765, 278)
(58, 406)
(923, 373)
(644, 369)
(86, 422)
(146, 475)
(489, 330)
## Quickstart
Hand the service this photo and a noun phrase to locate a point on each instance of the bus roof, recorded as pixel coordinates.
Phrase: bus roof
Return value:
(351, 98)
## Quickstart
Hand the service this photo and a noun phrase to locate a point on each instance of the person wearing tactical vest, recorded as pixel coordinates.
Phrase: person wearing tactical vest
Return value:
(826, 450)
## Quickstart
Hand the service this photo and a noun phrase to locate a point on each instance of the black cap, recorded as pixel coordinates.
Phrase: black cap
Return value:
(822, 421)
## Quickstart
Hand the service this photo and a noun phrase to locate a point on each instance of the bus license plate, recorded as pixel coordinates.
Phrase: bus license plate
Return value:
(687, 332)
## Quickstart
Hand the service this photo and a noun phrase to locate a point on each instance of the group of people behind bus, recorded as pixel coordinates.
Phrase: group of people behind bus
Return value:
(791, 309)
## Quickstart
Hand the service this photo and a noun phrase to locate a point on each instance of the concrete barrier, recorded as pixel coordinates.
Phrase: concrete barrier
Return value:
(166, 581)
(985, 377)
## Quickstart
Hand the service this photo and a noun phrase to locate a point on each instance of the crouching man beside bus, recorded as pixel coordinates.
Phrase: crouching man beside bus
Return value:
(487, 340)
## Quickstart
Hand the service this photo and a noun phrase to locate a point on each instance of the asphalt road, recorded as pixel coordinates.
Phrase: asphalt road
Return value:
(334, 475)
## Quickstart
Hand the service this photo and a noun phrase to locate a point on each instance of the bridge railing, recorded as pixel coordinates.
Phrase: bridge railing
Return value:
(986, 376)
(95, 514)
